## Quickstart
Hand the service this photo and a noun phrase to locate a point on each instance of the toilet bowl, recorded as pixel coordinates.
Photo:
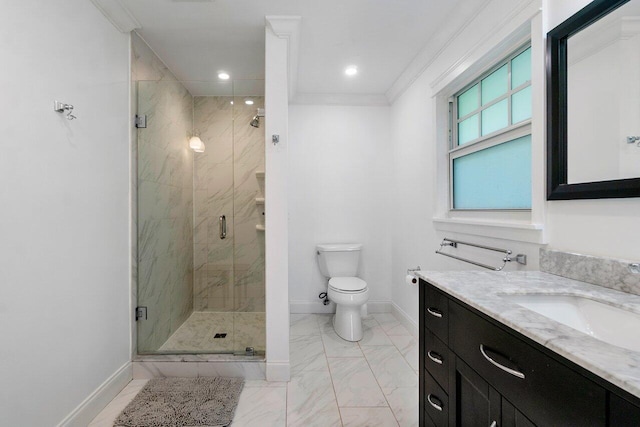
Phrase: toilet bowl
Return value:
(339, 263)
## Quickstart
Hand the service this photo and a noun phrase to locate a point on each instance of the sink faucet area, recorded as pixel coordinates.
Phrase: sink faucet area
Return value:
(601, 320)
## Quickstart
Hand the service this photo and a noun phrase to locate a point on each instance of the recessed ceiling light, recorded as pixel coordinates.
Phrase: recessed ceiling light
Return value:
(248, 102)
(223, 76)
(231, 102)
(351, 70)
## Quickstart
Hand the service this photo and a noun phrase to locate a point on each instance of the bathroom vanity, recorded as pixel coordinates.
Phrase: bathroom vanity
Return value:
(488, 359)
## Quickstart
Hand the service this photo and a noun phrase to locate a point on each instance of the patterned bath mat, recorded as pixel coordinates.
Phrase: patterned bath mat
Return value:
(182, 402)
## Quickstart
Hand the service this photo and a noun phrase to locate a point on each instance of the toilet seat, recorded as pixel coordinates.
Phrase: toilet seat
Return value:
(347, 285)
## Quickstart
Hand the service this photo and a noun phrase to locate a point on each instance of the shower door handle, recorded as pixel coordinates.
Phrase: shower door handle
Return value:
(222, 222)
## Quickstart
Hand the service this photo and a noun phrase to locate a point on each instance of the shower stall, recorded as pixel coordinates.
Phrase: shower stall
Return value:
(200, 217)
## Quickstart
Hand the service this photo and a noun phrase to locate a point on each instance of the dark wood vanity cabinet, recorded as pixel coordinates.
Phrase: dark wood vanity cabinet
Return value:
(475, 371)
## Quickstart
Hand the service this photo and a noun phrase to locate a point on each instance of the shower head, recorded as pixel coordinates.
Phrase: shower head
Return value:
(255, 122)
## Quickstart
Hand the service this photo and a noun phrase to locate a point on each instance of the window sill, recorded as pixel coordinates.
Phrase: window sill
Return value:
(508, 230)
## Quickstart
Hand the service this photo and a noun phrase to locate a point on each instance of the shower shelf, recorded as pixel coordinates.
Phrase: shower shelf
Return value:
(259, 200)
(260, 227)
(260, 174)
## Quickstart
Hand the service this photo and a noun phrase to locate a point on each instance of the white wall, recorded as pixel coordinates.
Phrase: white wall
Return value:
(341, 168)
(598, 227)
(64, 222)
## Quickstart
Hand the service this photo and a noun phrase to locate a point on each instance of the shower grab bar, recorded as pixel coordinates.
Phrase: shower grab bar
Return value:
(222, 221)
(519, 258)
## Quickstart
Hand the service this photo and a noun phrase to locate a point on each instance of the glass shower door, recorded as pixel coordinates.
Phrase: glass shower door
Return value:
(200, 218)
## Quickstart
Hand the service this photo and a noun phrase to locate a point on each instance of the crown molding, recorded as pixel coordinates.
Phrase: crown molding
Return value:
(372, 99)
(462, 16)
(117, 14)
(455, 25)
(513, 28)
(288, 27)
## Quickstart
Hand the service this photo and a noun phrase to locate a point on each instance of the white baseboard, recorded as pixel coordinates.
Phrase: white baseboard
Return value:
(278, 371)
(305, 307)
(404, 318)
(82, 415)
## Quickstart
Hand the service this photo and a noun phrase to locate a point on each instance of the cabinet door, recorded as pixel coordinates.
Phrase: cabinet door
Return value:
(511, 417)
(476, 403)
(622, 413)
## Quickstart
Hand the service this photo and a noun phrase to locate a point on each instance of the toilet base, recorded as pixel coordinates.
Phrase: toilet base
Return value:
(347, 322)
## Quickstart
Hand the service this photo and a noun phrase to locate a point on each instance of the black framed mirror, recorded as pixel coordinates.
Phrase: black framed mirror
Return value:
(593, 103)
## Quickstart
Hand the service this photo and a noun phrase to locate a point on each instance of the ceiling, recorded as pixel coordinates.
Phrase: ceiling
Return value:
(198, 38)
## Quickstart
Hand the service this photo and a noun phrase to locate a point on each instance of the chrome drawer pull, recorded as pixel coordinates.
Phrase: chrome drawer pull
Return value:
(504, 368)
(435, 357)
(435, 405)
(434, 312)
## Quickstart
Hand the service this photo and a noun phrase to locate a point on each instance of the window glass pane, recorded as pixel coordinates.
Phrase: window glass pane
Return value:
(469, 101)
(495, 117)
(521, 69)
(521, 105)
(468, 130)
(498, 177)
(494, 85)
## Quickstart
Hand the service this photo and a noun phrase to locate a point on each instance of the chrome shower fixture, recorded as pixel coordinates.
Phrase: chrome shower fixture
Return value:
(255, 122)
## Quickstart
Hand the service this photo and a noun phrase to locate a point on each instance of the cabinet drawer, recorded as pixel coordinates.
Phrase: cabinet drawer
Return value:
(546, 391)
(436, 313)
(436, 359)
(436, 402)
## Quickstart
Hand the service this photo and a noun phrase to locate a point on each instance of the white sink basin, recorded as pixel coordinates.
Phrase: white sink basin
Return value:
(600, 320)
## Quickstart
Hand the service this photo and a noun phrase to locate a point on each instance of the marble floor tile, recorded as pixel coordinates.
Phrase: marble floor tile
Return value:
(354, 383)
(325, 322)
(404, 404)
(311, 401)
(306, 353)
(333, 382)
(117, 405)
(261, 406)
(304, 324)
(386, 320)
(369, 321)
(397, 330)
(368, 417)
(408, 347)
(375, 336)
(334, 346)
(389, 367)
(197, 333)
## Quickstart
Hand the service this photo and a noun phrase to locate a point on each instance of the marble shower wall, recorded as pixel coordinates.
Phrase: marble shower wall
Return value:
(229, 273)
(165, 200)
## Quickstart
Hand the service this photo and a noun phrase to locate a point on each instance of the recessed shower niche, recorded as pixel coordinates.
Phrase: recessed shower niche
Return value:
(200, 257)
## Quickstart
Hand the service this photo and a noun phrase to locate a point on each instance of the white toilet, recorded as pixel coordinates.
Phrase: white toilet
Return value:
(339, 263)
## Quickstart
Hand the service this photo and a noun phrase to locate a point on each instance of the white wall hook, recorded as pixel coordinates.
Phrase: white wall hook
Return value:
(61, 107)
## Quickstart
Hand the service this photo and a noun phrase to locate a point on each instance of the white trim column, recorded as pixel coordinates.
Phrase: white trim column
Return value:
(280, 68)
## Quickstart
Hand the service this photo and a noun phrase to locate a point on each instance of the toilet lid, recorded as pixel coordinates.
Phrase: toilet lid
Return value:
(351, 284)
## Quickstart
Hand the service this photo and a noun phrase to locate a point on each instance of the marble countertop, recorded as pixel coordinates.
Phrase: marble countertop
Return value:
(482, 291)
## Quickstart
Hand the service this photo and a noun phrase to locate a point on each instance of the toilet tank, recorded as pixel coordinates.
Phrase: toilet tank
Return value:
(339, 260)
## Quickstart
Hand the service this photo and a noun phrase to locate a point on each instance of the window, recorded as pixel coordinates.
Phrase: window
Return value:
(490, 134)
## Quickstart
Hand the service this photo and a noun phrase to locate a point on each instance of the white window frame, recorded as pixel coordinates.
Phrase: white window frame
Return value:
(523, 226)
(501, 136)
